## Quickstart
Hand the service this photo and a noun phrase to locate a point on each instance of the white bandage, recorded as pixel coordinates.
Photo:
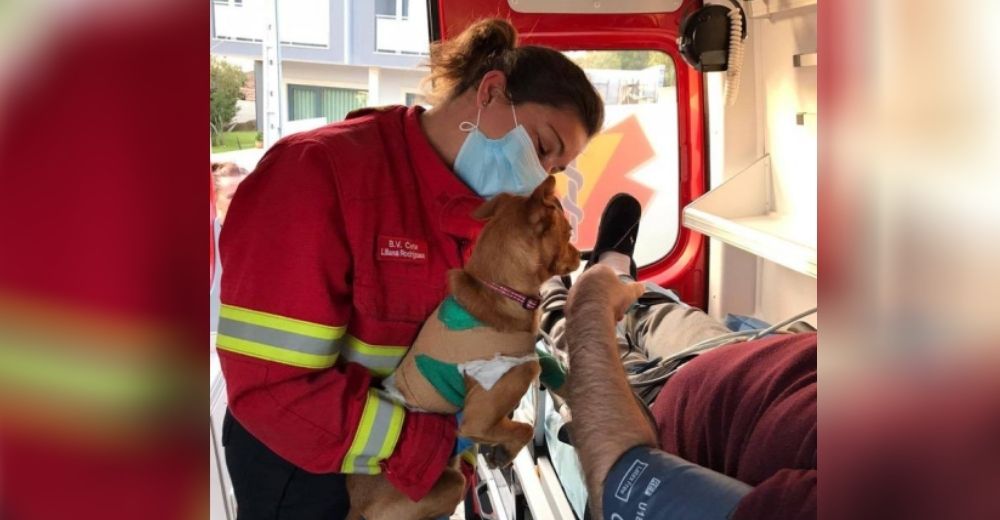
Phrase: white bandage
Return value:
(488, 371)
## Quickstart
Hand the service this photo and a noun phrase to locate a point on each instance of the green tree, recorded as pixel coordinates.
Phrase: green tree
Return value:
(227, 80)
(626, 60)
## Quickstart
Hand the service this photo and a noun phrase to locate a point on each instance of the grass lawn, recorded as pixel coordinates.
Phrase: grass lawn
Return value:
(229, 141)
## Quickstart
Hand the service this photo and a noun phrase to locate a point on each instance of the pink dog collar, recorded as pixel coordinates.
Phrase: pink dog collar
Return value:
(528, 302)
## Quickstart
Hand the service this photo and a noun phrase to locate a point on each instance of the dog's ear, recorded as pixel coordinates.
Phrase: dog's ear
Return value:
(489, 208)
(545, 190)
(538, 209)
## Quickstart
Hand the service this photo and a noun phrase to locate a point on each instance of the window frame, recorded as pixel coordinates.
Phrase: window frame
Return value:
(607, 84)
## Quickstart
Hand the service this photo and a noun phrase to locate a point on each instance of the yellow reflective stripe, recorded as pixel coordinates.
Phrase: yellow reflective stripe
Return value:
(376, 436)
(276, 354)
(102, 380)
(469, 455)
(277, 338)
(380, 360)
(364, 431)
(375, 350)
(275, 321)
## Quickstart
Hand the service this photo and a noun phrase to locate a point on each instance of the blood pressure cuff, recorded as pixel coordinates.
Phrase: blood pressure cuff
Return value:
(651, 484)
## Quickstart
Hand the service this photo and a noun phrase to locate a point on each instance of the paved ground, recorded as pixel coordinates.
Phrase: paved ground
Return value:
(246, 158)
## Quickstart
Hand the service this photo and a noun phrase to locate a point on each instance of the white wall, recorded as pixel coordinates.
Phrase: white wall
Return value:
(395, 83)
(763, 122)
(392, 88)
(788, 90)
(245, 111)
(322, 74)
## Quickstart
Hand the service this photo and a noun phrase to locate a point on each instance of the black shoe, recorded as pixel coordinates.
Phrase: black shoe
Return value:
(618, 229)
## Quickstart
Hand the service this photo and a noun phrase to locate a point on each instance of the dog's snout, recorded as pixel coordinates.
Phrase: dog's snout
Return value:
(571, 258)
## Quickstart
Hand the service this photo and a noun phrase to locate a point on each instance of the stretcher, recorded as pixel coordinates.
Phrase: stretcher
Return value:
(532, 487)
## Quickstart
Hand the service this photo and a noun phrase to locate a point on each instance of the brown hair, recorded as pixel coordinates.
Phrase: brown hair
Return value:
(534, 74)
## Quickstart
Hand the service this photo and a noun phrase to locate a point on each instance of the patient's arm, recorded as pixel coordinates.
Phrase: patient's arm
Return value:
(607, 419)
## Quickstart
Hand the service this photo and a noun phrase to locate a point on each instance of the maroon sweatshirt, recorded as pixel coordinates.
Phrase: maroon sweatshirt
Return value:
(748, 410)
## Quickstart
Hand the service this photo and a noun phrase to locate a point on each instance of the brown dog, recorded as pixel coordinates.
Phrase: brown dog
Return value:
(476, 352)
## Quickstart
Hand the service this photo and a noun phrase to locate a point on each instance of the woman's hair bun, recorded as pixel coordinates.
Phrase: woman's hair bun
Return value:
(534, 74)
(490, 38)
(459, 63)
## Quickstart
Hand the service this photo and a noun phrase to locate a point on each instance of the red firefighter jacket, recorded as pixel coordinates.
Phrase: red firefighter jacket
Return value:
(334, 252)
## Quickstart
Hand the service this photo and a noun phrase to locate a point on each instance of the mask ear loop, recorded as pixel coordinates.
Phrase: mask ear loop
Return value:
(468, 126)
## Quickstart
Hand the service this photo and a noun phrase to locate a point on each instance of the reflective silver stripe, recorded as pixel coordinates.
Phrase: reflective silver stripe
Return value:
(277, 338)
(368, 458)
(382, 365)
(376, 437)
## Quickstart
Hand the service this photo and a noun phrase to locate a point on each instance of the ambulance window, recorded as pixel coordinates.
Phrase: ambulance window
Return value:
(636, 152)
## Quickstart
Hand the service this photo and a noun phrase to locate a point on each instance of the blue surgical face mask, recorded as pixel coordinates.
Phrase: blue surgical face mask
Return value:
(493, 166)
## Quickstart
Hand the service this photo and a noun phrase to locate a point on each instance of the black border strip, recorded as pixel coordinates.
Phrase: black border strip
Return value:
(433, 21)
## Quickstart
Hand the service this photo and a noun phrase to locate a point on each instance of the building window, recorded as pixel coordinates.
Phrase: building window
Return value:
(308, 102)
(302, 23)
(413, 98)
(392, 8)
(401, 28)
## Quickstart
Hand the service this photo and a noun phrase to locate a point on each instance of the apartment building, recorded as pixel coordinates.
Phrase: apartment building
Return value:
(336, 55)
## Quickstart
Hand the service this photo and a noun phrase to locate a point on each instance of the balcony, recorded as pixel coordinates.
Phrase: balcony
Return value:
(303, 23)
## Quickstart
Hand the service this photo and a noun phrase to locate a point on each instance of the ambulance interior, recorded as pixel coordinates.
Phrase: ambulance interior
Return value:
(723, 161)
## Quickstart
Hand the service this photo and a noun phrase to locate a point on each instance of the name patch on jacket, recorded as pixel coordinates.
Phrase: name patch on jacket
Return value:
(402, 249)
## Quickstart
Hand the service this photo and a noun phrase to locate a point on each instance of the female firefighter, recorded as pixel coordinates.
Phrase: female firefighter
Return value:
(335, 251)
